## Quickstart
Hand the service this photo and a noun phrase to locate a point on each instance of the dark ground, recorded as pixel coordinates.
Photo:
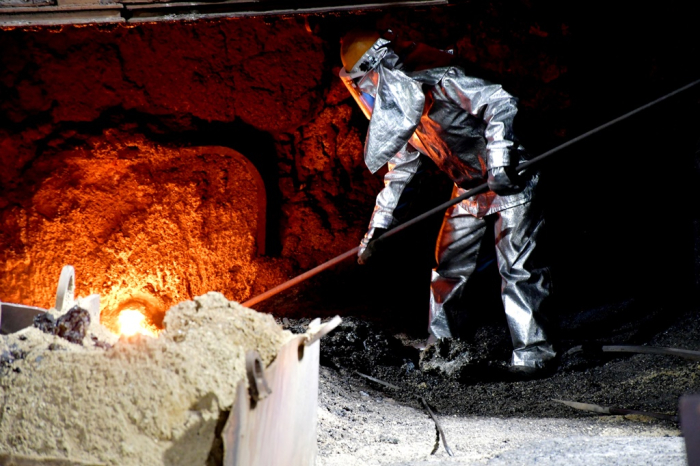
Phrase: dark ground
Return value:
(467, 377)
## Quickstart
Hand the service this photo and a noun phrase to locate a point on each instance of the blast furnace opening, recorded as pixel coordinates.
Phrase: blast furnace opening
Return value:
(145, 225)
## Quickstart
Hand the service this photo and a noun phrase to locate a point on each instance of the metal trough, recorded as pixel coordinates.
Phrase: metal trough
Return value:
(274, 422)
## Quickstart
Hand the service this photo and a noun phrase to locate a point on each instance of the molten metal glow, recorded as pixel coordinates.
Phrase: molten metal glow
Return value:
(132, 322)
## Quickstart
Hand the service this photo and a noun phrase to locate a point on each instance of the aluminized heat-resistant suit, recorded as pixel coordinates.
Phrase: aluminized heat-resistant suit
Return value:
(464, 124)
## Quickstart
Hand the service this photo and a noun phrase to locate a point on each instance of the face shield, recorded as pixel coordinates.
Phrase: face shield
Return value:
(362, 80)
(399, 102)
(363, 88)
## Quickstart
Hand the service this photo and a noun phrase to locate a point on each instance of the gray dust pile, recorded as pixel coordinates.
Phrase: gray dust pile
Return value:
(72, 393)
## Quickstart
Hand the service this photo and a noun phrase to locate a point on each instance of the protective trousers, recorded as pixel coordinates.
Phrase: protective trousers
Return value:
(525, 282)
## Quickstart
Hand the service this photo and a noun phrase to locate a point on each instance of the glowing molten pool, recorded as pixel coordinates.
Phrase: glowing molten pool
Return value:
(132, 322)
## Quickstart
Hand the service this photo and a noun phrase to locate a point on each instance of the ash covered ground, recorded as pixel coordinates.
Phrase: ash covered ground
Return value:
(469, 378)
(489, 418)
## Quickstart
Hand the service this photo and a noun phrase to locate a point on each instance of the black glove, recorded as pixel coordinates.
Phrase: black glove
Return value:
(505, 180)
(368, 245)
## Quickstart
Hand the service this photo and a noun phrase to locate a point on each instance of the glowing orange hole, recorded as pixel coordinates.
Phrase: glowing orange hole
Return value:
(131, 322)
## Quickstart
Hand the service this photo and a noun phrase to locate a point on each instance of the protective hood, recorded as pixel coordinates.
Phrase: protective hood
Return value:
(391, 97)
(398, 107)
(361, 79)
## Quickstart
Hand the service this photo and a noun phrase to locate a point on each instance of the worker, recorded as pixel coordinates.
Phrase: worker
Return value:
(421, 105)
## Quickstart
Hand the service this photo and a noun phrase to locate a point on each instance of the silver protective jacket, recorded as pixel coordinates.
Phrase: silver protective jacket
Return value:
(464, 124)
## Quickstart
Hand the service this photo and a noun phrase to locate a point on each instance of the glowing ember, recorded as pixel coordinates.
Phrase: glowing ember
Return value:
(132, 322)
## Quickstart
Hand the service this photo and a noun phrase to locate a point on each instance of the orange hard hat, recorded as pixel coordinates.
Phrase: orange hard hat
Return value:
(354, 44)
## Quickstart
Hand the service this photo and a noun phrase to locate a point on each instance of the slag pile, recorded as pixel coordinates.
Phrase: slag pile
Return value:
(131, 400)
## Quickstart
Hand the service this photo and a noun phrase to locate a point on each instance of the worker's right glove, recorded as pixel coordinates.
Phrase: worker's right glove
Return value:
(368, 244)
(505, 180)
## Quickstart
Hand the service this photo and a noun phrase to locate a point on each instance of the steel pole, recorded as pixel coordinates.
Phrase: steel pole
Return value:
(472, 192)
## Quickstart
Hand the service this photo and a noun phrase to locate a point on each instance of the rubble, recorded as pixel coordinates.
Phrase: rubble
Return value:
(72, 326)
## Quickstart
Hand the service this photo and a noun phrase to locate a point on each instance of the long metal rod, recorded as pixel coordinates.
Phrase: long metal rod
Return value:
(682, 353)
(300, 278)
(137, 11)
(472, 192)
(438, 427)
(615, 411)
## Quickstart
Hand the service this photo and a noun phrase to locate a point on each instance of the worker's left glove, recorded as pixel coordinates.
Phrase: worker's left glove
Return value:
(368, 244)
(505, 180)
